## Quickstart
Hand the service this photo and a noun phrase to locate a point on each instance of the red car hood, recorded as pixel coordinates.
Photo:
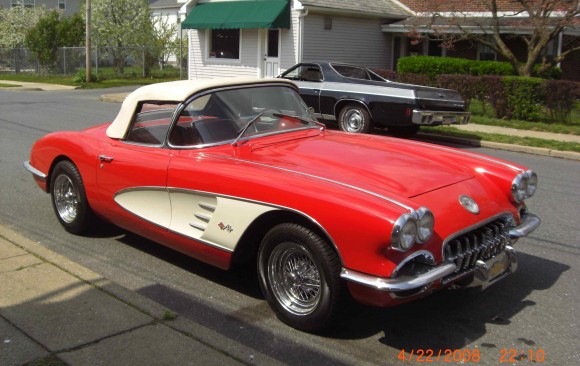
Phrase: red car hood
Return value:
(382, 165)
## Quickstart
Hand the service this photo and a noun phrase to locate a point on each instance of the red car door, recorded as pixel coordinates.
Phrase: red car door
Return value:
(132, 184)
(132, 173)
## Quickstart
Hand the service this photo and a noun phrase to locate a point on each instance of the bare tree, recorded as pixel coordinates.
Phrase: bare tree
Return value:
(494, 22)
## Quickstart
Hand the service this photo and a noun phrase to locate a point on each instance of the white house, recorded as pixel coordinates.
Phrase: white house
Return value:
(265, 37)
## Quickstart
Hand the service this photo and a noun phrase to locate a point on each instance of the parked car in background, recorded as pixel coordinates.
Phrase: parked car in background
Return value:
(359, 99)
(234, 171)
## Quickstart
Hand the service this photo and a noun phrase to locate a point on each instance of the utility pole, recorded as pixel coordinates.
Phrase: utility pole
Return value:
(88, 42)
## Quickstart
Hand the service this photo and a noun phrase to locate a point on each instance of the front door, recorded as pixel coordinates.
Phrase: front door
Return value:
(271, 67)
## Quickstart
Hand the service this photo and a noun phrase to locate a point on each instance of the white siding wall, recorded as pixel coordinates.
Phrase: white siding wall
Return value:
(201, 67)
(351, 40)
(289, 40)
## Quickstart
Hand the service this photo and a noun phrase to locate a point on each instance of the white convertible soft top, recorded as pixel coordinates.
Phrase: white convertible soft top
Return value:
(173, 91)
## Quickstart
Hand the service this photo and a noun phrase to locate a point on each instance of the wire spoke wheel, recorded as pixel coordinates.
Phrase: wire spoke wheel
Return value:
(69, 199)
(299, 274)
(295, 278)
(66, 198)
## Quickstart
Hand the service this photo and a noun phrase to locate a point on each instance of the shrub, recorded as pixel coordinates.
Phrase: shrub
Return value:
(551, 73)
(491, 68)
(469, 87)
(560, 98)
(495, 94)
(524, 97)
(81, 77)
(432, 66)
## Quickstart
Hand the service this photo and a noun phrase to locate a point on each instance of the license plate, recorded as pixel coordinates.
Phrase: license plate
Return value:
(497, 265)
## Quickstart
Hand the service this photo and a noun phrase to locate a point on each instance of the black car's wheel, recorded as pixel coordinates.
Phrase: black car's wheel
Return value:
(300, 277)
(68, 198)
(354, 118)
(404, 131)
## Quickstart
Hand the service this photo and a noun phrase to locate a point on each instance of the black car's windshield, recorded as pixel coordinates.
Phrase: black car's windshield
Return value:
(233, 114)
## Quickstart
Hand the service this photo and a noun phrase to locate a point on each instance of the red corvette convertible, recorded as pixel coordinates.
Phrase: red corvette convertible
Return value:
(238, 171)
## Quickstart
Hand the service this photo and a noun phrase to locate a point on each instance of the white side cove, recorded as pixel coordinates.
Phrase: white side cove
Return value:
(214, 220)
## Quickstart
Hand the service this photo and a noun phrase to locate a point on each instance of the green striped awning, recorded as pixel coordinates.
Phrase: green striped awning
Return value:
(239, 15)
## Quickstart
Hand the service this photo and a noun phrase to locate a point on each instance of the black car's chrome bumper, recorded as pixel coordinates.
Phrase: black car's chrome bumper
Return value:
(436, 118)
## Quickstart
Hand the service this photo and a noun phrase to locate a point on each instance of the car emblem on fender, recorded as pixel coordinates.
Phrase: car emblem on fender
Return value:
(469, 204)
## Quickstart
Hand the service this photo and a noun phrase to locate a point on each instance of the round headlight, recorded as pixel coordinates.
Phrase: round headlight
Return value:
(520, 187)
(532, 184)
(404, 233)
(425, 225)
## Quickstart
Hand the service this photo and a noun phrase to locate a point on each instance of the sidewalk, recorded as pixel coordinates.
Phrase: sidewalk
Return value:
(27, 86)
(56, 312)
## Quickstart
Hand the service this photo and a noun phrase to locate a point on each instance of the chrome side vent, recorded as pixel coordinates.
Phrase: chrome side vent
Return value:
(204, 216)
(480, 244)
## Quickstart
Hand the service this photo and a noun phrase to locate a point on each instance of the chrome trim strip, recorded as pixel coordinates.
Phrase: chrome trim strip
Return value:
(423, 252)
(398, 284)
(202, 217)
(402, 205)
(197, 226)
(529, 223)
(37, 173)
(376, 90)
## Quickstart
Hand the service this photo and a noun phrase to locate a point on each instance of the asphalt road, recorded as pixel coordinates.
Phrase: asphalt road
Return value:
(530, 316)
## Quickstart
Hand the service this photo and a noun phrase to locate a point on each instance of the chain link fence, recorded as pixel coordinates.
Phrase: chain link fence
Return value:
(136, 61)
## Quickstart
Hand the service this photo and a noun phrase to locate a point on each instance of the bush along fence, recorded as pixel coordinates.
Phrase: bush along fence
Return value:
(510, 97)
(136, 60)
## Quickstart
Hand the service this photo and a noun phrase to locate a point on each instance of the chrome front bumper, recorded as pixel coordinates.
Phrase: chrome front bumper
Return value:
(485, 272)
(35, 172)
(436, 118)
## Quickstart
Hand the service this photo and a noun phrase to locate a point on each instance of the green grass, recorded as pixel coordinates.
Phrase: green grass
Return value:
(483, 116)
(506, 139)
(132, 76)
(8, 85)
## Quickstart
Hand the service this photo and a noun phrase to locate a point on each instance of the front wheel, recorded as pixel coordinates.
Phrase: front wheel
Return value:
(69, 199)
(354, 118)
(299, 276)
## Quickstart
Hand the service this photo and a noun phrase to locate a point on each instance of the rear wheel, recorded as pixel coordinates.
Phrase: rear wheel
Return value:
(300, 277)
(354, 118)
(69, 199)
(404, 131)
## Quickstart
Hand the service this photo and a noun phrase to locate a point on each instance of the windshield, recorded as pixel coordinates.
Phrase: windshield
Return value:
(234, 114)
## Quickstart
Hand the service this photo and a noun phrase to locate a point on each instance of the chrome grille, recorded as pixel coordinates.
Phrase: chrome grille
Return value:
(482, 244)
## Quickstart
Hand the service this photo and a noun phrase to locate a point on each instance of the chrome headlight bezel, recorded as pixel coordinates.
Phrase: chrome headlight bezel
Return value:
(524, 186)
(412, 228)
(404, 233)
(426, 224)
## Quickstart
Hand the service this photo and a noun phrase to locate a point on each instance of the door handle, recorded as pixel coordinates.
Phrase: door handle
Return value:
(105, 159)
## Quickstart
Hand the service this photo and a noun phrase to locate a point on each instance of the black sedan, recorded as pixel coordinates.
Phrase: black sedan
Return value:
(359, 99)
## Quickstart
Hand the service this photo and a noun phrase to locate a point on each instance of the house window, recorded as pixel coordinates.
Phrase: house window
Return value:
(26, 3)
(224, 43)
(435, 48)
(62, 4)
(486, 53)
